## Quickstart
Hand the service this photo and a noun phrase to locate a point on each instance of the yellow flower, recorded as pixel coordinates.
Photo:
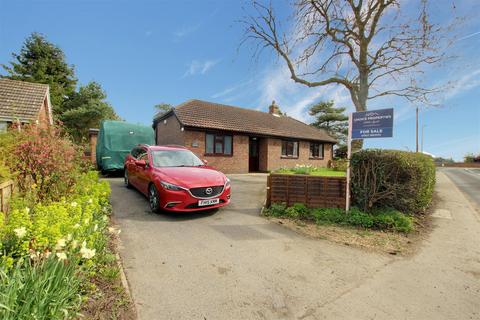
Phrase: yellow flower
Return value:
(60, 244)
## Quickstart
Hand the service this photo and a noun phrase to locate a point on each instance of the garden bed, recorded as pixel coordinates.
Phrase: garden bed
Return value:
(385, 232)
(57, 258)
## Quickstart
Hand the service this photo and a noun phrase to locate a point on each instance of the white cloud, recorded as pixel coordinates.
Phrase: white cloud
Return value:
(465, 83)
(227, 92)
(200, 67)
(186, 30)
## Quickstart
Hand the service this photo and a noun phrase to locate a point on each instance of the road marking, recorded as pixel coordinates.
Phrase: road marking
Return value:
(473, 172)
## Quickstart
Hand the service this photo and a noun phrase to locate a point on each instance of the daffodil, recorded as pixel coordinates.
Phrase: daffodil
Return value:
(85, 252)
(60, 244)
(20, 232)
(61, 256)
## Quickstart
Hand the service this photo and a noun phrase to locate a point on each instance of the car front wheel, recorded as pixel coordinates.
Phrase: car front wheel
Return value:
(126, 180)
(154, 199)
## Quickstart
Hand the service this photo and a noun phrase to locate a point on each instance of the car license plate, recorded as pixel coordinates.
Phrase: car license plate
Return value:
(208, 202)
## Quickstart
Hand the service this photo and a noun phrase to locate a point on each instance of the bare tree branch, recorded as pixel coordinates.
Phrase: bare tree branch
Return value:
(359, 44)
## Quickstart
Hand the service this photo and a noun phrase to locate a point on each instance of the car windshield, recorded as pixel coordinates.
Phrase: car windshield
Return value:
(175, 158)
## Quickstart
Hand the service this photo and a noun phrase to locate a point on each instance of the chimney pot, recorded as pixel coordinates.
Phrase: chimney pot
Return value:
(274, 109)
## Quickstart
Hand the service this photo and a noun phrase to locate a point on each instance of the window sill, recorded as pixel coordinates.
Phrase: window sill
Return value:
(316, 158)
(286, 157)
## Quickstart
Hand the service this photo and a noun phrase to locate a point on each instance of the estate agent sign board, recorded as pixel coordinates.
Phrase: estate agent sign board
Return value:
(365, 125)
(372, 124)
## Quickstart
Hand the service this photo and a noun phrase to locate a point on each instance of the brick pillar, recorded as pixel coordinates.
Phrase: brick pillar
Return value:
(93, 135)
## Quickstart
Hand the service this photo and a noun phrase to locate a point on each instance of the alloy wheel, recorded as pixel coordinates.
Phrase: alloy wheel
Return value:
(153, 199)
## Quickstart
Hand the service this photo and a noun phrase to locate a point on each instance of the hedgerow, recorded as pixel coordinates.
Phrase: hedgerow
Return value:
(390, 178)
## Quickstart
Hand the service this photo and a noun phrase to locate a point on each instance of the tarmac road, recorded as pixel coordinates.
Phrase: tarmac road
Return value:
(467, 180)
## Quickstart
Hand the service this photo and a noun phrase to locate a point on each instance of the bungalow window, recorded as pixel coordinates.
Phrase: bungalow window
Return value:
(218, 144)
(316, 150)
(290, 149)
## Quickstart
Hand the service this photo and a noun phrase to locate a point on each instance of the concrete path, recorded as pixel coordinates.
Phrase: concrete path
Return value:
(233, 264)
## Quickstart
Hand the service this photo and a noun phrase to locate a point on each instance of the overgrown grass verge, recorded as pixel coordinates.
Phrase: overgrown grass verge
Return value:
(384, 219)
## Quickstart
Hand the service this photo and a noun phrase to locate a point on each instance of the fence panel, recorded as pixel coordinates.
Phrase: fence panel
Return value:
(6, 190)
(313, 191)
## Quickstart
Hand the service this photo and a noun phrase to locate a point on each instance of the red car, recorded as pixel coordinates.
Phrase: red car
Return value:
(175, 179)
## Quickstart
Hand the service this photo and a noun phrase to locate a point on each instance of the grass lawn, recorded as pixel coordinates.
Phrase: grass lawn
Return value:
(324, 172)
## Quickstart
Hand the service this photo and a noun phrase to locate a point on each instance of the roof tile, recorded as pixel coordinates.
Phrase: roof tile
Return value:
(20, 99)
(209, 115)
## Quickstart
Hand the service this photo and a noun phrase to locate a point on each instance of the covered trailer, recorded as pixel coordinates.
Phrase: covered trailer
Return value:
(116, 139)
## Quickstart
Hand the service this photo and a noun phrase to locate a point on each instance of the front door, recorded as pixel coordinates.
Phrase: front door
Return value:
(253, 155)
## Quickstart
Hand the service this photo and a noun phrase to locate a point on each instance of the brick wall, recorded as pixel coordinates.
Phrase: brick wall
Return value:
(43, 116)
(270, 149)
(275, 161)
(169, 131)
(237, 163)
(93, 137)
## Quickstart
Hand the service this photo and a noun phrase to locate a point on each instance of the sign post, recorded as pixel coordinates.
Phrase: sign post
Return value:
(366, 125)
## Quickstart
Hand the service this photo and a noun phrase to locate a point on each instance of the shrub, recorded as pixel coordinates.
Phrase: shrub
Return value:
(298, 211)
(389, 178)
(392, 219)
(45, 290)
(339, 165)
(4, 172)
(276, 210)
(46, 163)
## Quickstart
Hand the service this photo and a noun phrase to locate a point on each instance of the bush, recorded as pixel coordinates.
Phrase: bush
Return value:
(388, 178)
(276, 210)
(339, 165)
(46, 163)
(298, 211)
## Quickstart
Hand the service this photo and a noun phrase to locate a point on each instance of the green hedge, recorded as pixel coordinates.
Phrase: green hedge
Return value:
(390, 178)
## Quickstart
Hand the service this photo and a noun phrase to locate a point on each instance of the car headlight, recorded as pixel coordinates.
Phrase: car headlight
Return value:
(170, 186)
(227, 182)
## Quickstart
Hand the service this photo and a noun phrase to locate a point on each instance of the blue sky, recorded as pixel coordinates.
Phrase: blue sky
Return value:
(146, 52)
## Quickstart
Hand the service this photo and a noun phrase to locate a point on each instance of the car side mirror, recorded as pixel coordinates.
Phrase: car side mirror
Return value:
(141, 163)
(205, 161)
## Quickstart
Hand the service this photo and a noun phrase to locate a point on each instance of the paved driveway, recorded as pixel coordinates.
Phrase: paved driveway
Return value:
(233, 264)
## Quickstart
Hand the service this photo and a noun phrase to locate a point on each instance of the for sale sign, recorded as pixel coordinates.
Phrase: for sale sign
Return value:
(372, 124)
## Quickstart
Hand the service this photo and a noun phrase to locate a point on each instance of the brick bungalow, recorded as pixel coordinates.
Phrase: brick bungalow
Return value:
(238, 140)
(24, 102)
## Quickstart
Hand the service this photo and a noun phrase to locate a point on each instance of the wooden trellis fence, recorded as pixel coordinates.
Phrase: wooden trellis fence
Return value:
(313, 191)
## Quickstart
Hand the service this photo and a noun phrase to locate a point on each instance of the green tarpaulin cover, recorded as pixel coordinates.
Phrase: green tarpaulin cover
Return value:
(116, 139)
